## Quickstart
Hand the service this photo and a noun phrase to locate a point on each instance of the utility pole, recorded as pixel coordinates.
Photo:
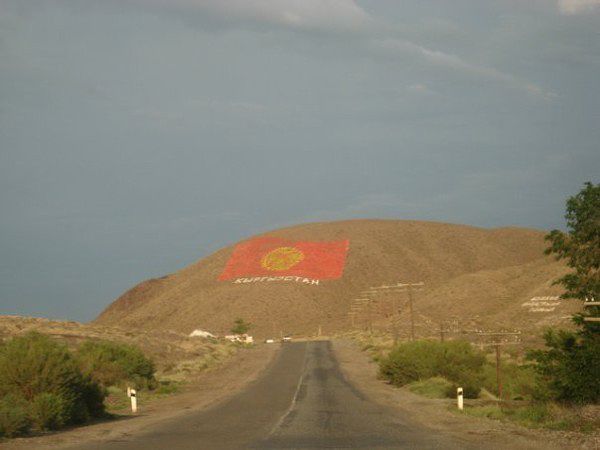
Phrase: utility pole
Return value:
(357, 306)
(370, 319)
(410, 286)
(497, 339)
(394, 320)
(367, 301)
(498, 378)
(442, 331)
(352, 314)
(412, 315)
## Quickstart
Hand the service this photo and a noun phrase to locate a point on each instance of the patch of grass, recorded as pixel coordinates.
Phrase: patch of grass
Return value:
(117, 399)
(435, 387)
(213, 357)
(118, 402)
(546, 415)
(486, 411)
(168, 387)
(375, 344)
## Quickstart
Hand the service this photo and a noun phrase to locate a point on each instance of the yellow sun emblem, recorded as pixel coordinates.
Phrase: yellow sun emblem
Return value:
(282, 258)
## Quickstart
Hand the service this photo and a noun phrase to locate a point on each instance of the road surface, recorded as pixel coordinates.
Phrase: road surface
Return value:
(302, 401)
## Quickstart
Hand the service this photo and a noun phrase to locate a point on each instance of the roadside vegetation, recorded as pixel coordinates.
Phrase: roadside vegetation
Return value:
(240, 326)
(455, 361)
(42, 387)
(555, 387)
(45, 386)
(115, 364)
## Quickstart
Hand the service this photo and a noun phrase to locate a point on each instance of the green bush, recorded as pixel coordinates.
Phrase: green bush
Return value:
(570, 366)
(34, 364)
(112, 363)
(48, 411)
(240, 326)
(14, 420)
(456, 361)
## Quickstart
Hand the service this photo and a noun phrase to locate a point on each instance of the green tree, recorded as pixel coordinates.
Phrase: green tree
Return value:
(240, 326)
(571, 364)
(580, 248)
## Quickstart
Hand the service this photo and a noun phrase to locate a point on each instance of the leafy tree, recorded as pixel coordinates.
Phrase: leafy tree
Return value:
(570, 368)
(580, 247)
(240, 326)
(571, 365)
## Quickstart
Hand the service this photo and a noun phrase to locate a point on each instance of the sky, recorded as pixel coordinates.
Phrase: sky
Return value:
(137, 136)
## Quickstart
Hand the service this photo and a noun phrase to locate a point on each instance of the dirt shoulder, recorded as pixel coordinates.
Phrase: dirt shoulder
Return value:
(210, 388)
(361, 371)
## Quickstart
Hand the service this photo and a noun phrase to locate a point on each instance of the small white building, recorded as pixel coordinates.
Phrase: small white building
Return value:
(202, 334)
(243, 338)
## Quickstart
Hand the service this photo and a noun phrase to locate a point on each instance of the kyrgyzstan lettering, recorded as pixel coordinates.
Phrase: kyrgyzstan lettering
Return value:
(303, 280)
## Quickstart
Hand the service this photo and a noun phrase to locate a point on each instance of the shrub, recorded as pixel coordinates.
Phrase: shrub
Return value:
(14, 420)
(48, 411)
(112, 363)
(240, 326)
(570, 367)
(34, 364)
(456, 361)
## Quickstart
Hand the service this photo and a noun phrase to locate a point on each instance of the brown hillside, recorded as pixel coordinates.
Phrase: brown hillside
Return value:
(474, 277)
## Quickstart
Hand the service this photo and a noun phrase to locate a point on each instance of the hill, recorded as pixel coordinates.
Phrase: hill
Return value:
(313, 275)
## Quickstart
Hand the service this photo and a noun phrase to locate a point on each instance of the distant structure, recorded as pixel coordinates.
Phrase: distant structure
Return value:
(202, 334)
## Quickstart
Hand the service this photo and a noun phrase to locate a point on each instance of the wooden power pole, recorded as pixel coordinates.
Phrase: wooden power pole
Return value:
(412, 314)
(365, 304)
(498, 339)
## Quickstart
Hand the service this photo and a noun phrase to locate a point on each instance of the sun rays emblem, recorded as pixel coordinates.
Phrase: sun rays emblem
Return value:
(282, 258)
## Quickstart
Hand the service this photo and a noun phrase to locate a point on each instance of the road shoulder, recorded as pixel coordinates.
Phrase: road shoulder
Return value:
(361, 371)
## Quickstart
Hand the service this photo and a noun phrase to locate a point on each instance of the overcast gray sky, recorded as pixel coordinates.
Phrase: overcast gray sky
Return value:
(137, 136)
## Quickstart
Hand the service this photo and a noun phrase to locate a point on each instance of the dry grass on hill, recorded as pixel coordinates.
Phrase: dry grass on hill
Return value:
(176, 355)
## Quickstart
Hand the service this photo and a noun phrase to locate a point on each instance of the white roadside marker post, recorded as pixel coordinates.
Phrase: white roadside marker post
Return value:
(459, 398)
(132, 394)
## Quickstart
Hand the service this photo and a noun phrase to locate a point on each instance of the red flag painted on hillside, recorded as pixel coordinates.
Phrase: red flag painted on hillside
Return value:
(269, 256)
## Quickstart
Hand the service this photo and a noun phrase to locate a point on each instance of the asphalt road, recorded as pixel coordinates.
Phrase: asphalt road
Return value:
(303, 402)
